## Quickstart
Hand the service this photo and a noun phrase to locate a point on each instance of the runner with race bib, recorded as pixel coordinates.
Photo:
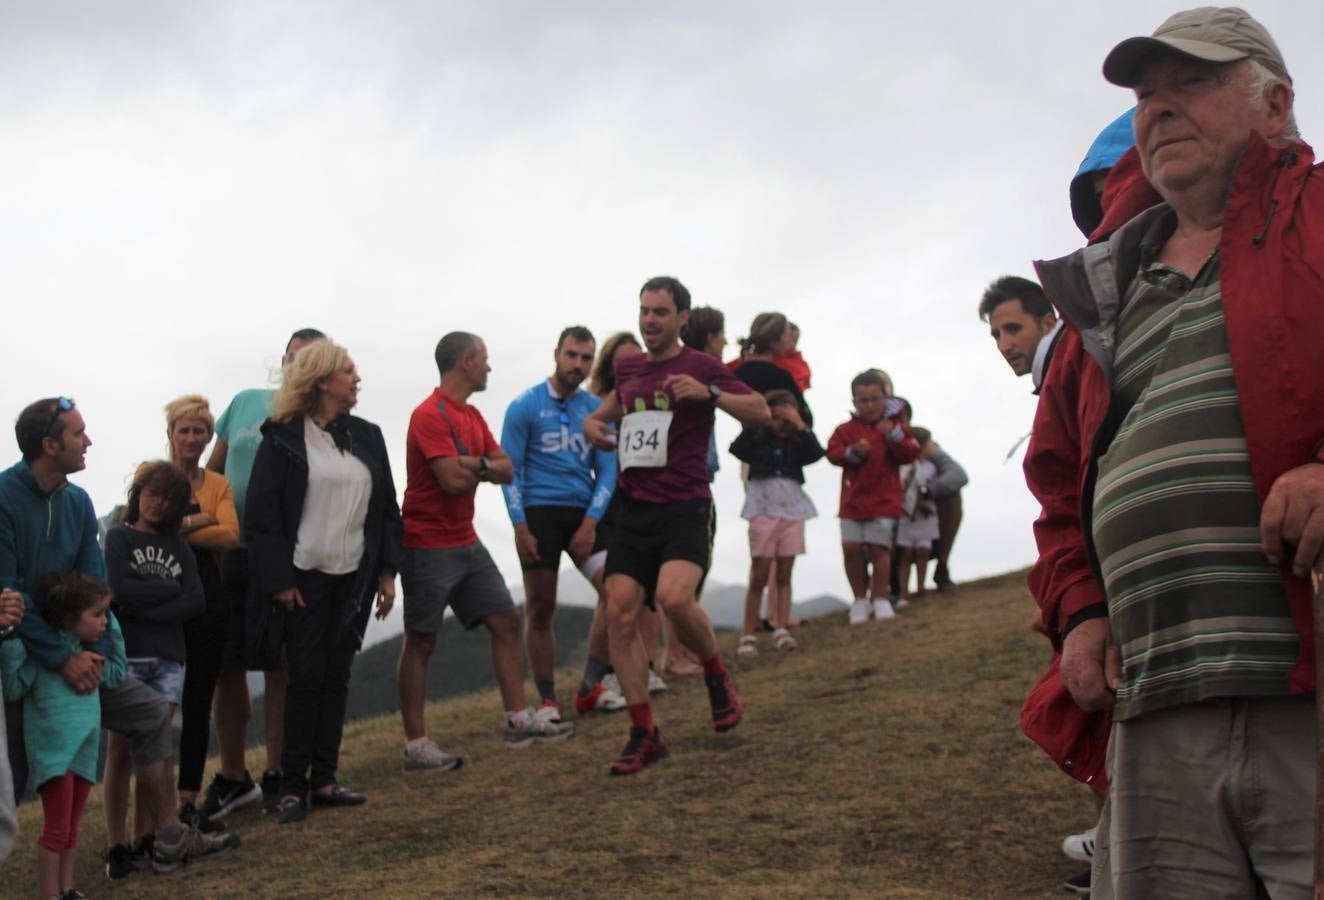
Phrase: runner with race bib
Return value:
(660, 549)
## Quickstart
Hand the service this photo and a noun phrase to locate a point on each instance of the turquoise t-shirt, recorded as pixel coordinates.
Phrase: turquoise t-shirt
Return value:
(240, 426)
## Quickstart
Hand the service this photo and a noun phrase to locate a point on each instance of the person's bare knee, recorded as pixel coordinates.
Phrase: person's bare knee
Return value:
(503, 626)
(418, 646)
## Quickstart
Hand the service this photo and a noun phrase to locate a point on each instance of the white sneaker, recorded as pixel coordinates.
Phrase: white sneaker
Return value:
(536, 727)
(859, 612)
(901, 603)
(612, 683)
(1080, 847)
(428, 757)
(882, 609)
(655, 683)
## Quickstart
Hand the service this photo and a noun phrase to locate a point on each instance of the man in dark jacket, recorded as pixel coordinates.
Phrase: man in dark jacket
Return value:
(1192, 481)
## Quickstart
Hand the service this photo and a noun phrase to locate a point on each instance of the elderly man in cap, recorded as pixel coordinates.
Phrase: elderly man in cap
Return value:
(1178, 589)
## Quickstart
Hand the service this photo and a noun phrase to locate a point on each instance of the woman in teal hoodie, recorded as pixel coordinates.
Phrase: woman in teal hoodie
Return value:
(62, 728)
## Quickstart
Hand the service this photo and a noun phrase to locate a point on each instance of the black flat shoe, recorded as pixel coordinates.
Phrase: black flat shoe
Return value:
(291, 809)
(339, 796)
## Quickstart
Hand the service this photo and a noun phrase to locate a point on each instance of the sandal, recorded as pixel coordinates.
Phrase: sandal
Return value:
(749, 646)
(782, 640)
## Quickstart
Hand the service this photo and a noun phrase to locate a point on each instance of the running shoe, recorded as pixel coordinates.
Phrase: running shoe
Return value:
(859, 612)
(902, 602)
(549, 710)
(641, 750)
(882, 609)
(190, 845)
(599, 699)
(727, 710)
(612, 683)
(1079, 884)
(226, 795)
(1080, 847)
(537, 728)
(189, 815)
(655, 683)
(73, 894)
(428, 757)
(271, 780)
(291, 809)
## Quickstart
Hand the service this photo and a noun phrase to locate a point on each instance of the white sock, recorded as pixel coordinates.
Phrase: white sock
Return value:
(416, 742)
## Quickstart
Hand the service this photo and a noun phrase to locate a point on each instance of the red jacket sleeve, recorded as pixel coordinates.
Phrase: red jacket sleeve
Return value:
(837, 447)
(1062, 580)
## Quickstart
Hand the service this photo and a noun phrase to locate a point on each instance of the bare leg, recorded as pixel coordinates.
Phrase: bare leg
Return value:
(48, 872)
(539, 608)
(67, 860)
(650, 632)
(677, 586)
(115, 790)
(273, 714)
(921, 567)
(157, 802)
(598, 645)
(233, 710)
(881, 558)
(856, 569)
(625, 603)
(783, 591)
(759, 567)
(411, 676)
(507, 658)
(907, 560)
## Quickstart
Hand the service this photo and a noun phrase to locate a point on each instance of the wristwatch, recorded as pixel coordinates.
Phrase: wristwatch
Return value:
(483, 465)
(714, 391)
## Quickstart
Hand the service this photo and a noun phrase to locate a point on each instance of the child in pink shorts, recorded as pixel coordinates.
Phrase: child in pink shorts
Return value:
(776, 506)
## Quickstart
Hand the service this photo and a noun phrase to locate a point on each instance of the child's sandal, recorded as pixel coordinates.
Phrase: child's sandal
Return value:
(782, 640)
(749, 646)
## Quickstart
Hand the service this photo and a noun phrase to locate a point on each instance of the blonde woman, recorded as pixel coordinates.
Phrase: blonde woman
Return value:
(323, 531)
(211, 527)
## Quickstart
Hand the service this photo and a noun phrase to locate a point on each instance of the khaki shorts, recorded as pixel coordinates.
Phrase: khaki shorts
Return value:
(1210, 800)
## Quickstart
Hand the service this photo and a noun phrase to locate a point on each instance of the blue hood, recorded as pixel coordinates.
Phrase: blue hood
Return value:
(1111, 144)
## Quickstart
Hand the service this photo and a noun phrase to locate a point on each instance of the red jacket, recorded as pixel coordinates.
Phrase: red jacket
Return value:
(870, 489)
(1272, 273)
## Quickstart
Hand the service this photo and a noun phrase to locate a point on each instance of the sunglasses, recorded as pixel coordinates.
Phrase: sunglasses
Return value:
(62, 405)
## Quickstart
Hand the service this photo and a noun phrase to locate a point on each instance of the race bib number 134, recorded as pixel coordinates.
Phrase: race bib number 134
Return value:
(643, 439)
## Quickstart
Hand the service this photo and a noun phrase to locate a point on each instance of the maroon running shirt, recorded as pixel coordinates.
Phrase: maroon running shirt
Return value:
(639, 387)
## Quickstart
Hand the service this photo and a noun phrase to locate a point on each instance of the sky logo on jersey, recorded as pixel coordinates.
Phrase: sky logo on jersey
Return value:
(563, 442)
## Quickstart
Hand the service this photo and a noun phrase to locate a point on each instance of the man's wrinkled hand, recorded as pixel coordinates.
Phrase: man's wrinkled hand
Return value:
(1092, 664)
(83, 671)
(1293, 514)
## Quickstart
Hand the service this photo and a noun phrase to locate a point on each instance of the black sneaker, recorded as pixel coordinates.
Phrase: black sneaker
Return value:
(119, 862)
(291, 809)
(226, 795)
(73, 894)
(189, 815)
(270, 790)
(1079, 884)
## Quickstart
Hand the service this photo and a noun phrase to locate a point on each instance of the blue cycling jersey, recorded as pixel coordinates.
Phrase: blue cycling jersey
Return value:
(555, 465)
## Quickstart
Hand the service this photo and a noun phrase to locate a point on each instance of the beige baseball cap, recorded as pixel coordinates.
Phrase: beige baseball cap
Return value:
(1210, 33)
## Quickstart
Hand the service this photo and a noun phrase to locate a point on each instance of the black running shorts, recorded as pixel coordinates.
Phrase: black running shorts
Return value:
(646, 535)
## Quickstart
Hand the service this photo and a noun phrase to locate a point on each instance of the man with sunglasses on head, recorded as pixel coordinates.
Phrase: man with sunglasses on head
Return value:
(48, 525)
(557, 495)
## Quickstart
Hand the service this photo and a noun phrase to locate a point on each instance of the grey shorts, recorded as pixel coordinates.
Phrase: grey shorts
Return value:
(462, 578)
(878, 532)
(134, 710)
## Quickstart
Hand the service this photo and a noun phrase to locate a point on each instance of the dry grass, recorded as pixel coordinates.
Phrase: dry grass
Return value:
(876, 761)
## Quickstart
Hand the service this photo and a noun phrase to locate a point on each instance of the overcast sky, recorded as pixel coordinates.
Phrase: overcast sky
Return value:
(189, 183)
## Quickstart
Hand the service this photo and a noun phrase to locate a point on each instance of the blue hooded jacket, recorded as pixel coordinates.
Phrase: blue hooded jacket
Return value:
(1111, 144)
(44, 532)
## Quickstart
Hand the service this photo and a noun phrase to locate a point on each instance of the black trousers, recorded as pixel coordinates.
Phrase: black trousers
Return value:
(204, 645)
(319, 649)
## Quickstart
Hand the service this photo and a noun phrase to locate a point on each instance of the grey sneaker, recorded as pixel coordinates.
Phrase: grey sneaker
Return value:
(429, 757)
(189, 845)
(538, 728)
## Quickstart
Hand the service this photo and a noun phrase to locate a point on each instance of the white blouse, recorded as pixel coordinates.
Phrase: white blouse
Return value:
(330, 535)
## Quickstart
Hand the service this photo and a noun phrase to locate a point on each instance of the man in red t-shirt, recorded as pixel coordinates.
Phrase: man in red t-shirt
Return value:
(660, 547)
(450, 450)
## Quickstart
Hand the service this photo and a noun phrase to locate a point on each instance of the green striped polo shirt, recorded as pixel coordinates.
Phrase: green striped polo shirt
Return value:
(1196, 609)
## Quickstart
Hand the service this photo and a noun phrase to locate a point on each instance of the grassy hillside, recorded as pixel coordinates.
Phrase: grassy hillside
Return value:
(876, 761)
